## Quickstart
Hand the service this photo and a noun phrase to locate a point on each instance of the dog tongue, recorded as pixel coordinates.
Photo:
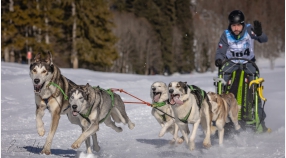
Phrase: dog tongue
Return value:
(74, 113)
(156, 97)
(177, 100)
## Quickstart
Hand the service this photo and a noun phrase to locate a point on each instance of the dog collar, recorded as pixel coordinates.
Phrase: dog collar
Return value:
(158, 104)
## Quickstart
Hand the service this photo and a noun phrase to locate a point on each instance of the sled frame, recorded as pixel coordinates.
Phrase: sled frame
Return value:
(255, 122)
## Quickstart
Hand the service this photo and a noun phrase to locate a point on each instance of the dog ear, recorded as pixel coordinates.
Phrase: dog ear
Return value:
(186, 87)
(72, 89)
(86, 88)
(37, 58)
(49, 59)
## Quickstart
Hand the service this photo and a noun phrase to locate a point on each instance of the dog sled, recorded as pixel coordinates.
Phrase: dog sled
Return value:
(248, 94)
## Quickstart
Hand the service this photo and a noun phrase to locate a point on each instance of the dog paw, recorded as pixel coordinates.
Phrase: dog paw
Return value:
(75, 145)
(88, 151)
(118, 129)
(207, 145)
(96, 148)
(41, 131)
(180, 140)
(237, 127)
(46, 152)
(192, 146)
(131, 125)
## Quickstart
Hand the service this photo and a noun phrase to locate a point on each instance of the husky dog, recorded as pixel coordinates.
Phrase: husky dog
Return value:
(162, 110)
(47, 81)
(93, 106)
(223, 105)
(188, 110)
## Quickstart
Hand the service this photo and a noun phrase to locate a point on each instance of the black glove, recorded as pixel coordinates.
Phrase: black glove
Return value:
(257, 28)
(218, 63)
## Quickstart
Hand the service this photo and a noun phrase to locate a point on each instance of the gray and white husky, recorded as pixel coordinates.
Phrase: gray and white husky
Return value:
(163, 111)
(93, 105)
(47, 81)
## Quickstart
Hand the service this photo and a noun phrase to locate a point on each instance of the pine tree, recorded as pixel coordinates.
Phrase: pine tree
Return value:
(93, 41)
(52, 19)
(26, 27)
(184, 23)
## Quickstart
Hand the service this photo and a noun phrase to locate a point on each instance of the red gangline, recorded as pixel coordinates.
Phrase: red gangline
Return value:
(121, 90)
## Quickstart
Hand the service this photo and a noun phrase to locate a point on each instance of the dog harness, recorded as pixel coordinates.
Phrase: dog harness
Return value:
(199, 95)
(160, 104)
(86, 115)
(46, 100)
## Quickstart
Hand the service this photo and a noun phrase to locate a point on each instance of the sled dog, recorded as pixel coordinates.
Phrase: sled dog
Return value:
(45, 78)
(188, 110)
(223, 105)
(93, 105)
(163, 112)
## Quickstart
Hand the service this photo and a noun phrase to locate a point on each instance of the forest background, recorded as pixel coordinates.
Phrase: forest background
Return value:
(133, 36)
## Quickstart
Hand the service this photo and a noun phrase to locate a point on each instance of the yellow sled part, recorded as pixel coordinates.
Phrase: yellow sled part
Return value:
(260, 87)
(257, 81)
(269, 130)
(260, 92)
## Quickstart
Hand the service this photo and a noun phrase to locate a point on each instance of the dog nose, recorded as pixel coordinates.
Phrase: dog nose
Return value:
(153, 88)
(171, 90)
(74, 106)
(36, 80)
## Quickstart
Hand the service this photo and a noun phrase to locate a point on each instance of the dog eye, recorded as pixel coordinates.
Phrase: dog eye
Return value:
(81, 98)
(44, 71)
(34, 70)
(72, 97)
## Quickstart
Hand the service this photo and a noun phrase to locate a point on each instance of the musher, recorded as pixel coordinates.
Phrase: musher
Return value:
(237, 42)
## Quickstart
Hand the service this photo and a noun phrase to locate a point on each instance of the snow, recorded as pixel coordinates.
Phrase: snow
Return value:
(19, 137)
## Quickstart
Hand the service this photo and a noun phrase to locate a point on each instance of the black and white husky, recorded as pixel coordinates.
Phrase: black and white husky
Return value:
(48, 83)
(93, 105)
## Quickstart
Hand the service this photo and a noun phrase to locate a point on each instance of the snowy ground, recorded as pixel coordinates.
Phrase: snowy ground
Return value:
(19, 137)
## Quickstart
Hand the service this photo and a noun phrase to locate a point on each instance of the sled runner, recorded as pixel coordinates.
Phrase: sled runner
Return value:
(247, 93)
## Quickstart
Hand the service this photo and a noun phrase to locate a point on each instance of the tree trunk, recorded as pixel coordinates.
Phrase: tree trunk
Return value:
(74, 58)
(47, 38)
(9, 57)
(12, 56)
(6, 54)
